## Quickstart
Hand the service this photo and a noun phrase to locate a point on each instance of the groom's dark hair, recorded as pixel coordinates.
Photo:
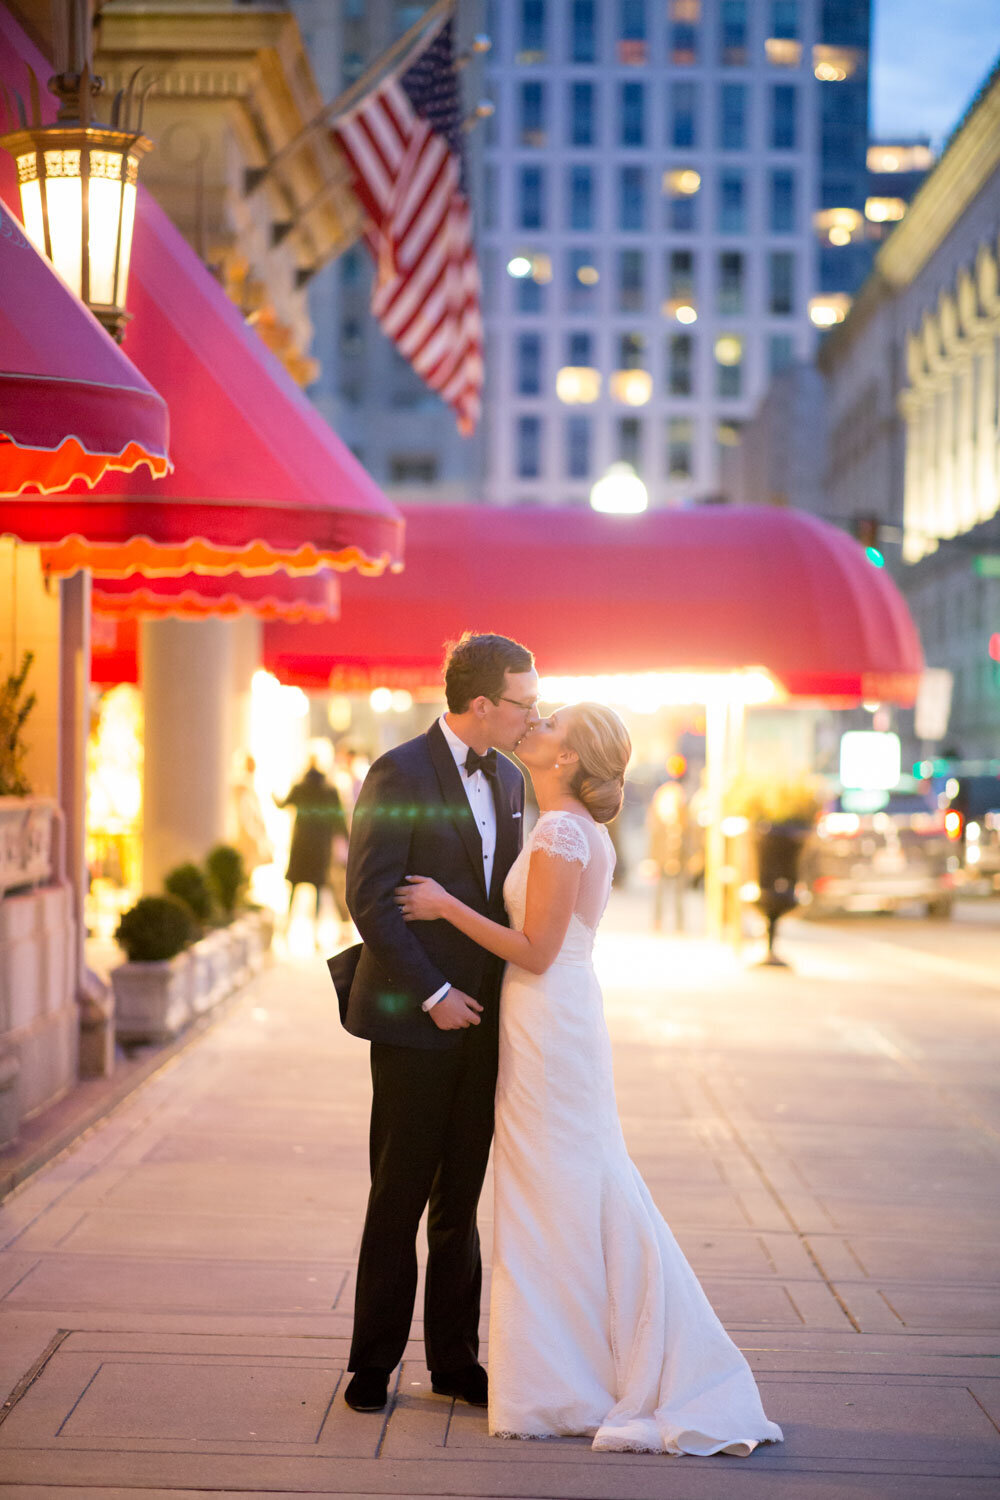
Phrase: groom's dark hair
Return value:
(476, 665)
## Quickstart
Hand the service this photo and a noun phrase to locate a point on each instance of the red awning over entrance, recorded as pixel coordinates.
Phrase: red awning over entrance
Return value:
(310, 597)
(71, 404)
(711, 589)
(260, 480)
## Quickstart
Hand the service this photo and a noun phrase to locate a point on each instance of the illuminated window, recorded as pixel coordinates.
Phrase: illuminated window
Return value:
(681, 188)
(632, 32)
(631, 387)
(632, 114)
(728, 365)
(884, 210)
(532, 110)
(578, 445)
(781, 53)
(835, 64)
(582, 277)
(683, 42)
(684, 114)
(839, 226)
(728, 432)
(912, 158)
(680, 444)
(582, 114)
(830, 308)
(578, 385)
(729, 286)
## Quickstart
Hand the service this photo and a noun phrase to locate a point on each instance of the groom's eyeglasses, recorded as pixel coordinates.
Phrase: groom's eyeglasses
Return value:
(525, 708)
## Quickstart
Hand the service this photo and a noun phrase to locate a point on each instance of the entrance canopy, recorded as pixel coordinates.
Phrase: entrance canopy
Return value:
(709, 590)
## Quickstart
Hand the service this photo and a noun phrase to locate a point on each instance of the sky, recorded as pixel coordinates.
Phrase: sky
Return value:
(929, 58)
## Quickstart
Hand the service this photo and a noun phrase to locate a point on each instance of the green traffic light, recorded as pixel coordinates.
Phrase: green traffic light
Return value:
(875, 557)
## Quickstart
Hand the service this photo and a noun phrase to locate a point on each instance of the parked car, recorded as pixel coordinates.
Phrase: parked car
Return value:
(882, 858)
(974, 817)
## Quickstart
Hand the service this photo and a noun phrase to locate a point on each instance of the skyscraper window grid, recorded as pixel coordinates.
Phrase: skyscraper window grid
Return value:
(585, 210)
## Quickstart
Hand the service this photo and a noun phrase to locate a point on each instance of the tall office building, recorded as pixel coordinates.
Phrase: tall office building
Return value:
(670, 200)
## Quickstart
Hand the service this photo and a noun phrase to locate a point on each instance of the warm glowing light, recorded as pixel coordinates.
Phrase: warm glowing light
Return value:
(402, 701)
(620, 492)
(917, 157)
(578, 385)
(838, 225)
(829, 72)
(783, 52)
(631, 387)
(884, 210)
(519, 266)
(541, 267)
(953, 824)
(646, 692)
(588, 275)
(951, 787)
(683, 312)
(733, 827)
(682, 182)
(828, 309)
(870, 761)
(381, 700)
(839, 236)
(832, 64)
(729, 349)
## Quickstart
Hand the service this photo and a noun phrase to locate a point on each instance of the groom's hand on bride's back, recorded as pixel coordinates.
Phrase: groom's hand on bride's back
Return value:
(456, 1011)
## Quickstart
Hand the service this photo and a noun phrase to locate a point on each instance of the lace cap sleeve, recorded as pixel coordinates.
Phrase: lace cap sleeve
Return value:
(560, 834)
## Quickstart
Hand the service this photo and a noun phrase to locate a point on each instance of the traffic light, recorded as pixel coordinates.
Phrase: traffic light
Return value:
(866, 530)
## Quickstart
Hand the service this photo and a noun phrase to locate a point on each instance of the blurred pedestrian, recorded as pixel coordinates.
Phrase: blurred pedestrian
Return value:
(252, 838)
(666, 824)
(319, 838)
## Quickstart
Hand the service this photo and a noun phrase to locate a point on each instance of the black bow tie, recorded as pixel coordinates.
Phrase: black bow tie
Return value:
(486, 763)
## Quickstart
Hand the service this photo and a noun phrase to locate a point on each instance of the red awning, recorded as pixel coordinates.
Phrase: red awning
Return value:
(71, 404)
(309, 597)
(711, 589)
(260, 480)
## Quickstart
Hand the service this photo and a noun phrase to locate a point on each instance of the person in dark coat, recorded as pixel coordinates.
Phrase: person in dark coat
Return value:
(319, 825)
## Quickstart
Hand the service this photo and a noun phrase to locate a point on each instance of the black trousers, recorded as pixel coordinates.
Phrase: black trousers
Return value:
(431, 1128)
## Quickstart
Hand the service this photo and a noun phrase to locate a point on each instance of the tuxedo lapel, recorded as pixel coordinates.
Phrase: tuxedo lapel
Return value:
(450, 780)
(506, 847)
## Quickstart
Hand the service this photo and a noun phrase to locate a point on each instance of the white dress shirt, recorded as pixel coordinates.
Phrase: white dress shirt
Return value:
(480, 795)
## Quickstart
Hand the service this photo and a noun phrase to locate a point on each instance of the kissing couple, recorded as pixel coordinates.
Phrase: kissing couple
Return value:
(476, 988)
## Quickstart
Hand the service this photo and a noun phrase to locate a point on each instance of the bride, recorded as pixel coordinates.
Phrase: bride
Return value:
(598, 1325)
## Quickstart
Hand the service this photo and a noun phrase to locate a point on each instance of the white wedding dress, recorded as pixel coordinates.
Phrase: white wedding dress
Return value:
(598, 1325)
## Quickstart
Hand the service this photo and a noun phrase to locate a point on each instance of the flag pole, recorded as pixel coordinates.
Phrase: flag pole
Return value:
(253, 177)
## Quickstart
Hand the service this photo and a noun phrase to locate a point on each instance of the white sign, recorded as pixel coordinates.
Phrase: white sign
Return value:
(869, 761)
(933, 705)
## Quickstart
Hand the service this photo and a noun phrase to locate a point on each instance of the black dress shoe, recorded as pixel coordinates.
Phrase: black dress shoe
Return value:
(468, 1384)
(368, 1390)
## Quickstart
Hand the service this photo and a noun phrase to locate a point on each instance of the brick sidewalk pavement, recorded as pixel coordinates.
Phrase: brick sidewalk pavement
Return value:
(175, 1290)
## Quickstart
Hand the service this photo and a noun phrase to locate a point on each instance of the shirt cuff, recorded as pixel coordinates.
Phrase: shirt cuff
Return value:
(437, 995)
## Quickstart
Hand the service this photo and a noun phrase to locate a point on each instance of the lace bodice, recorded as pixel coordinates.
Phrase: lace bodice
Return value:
(575, 837)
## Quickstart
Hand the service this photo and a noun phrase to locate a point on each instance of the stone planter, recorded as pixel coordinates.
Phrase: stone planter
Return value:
(28, 850)
(242, 940)
(152, 1000)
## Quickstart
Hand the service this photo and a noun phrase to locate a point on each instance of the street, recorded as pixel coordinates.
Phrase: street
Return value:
(176, 1289)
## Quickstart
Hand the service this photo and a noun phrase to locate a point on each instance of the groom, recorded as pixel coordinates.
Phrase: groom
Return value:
(445, 805)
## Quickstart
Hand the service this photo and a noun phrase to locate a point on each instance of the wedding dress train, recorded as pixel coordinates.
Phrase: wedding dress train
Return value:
(598, 1325)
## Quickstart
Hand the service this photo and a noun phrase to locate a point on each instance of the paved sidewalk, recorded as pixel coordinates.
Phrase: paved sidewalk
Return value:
(175, 1290)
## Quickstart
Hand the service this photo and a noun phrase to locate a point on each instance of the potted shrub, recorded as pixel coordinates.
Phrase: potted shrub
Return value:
(211, 978)
(152, 988)
(781, 816)
(227, 879)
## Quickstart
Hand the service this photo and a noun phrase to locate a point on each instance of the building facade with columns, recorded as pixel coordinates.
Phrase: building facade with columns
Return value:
(913, 406)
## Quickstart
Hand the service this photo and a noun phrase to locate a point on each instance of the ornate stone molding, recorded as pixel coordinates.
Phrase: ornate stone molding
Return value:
(28, 852)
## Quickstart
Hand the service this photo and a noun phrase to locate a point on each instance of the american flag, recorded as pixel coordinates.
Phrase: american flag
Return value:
(403, 146)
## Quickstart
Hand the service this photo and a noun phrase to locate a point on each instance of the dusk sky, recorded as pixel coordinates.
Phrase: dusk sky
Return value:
(929, 58)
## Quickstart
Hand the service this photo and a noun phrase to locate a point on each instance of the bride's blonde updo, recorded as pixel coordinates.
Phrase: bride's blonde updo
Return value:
(601, 741)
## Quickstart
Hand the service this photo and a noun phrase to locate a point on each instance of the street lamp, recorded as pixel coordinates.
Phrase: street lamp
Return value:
(620, 492)
(77, 180)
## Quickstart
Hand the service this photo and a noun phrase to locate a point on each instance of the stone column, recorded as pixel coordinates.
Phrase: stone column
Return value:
(187, 681)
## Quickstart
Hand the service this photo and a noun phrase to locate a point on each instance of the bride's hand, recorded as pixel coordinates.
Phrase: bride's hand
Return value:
(421, 899)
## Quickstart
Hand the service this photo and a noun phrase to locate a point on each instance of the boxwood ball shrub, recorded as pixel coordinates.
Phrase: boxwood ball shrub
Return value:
(154, 929)
(227, 877)
(189, 884)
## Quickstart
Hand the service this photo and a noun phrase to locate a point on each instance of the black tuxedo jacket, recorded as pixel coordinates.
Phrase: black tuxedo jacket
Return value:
(413, 818)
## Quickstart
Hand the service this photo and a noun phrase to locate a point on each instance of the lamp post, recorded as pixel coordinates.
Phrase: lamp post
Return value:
(77, 177)
(620, 492)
